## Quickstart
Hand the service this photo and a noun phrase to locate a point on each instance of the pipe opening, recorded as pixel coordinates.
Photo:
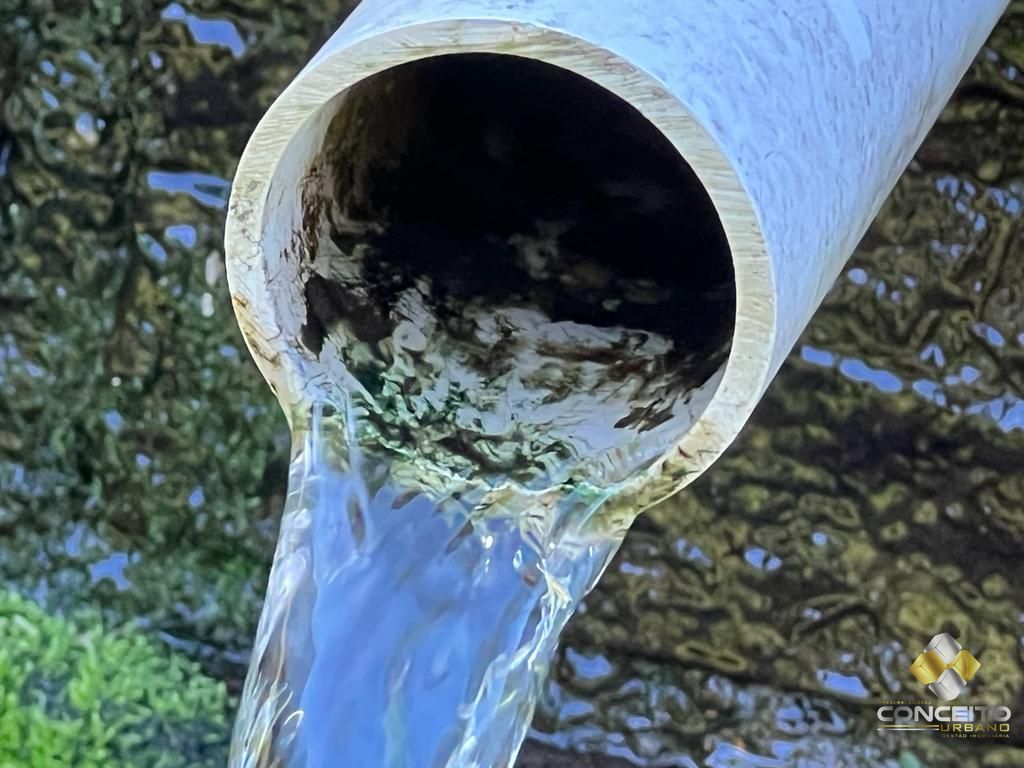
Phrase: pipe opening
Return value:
(514, 268)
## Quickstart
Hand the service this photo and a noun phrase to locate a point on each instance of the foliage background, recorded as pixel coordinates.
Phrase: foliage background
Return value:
(876, 499)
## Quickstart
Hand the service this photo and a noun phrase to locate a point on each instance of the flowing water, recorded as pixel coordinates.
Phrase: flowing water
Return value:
(402, 628)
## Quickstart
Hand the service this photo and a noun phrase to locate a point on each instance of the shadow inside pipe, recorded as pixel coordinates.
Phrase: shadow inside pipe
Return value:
(537, 233)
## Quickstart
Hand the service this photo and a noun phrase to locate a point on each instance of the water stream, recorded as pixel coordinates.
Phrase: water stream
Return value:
(402, 628)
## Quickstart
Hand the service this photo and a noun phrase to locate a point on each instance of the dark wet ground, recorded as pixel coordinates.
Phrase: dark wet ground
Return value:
(876, 498)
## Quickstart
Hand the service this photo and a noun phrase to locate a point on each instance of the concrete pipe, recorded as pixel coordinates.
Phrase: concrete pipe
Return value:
(770, 134)
(552, 253)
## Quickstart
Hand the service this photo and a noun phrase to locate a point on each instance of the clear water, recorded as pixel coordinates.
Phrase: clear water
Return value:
(402, 629)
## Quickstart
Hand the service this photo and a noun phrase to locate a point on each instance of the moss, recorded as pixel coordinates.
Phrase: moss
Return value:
(72, 693)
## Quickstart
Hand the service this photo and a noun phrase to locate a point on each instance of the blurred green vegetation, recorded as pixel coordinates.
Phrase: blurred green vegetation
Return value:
(876, 497)
(75, 694)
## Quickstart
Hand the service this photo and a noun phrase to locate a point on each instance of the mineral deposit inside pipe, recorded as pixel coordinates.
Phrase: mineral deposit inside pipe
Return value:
(508, 317)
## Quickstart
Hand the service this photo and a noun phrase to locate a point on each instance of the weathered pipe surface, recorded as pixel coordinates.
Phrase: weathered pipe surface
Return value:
(796, 125)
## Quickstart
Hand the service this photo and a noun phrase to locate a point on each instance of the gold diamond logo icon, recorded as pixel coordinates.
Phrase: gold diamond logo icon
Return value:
(945, 667)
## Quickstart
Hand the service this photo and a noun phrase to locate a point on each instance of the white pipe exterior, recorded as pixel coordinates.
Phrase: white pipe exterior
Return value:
(798, 116)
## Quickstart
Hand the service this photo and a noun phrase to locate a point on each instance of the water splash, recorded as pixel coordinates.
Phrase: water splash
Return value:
(405, 629)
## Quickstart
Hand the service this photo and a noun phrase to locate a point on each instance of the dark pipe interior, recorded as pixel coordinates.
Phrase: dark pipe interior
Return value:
(490, 191)
(459, 154)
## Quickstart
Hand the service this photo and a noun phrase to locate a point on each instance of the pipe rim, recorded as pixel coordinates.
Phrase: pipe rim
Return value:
(748, 368)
